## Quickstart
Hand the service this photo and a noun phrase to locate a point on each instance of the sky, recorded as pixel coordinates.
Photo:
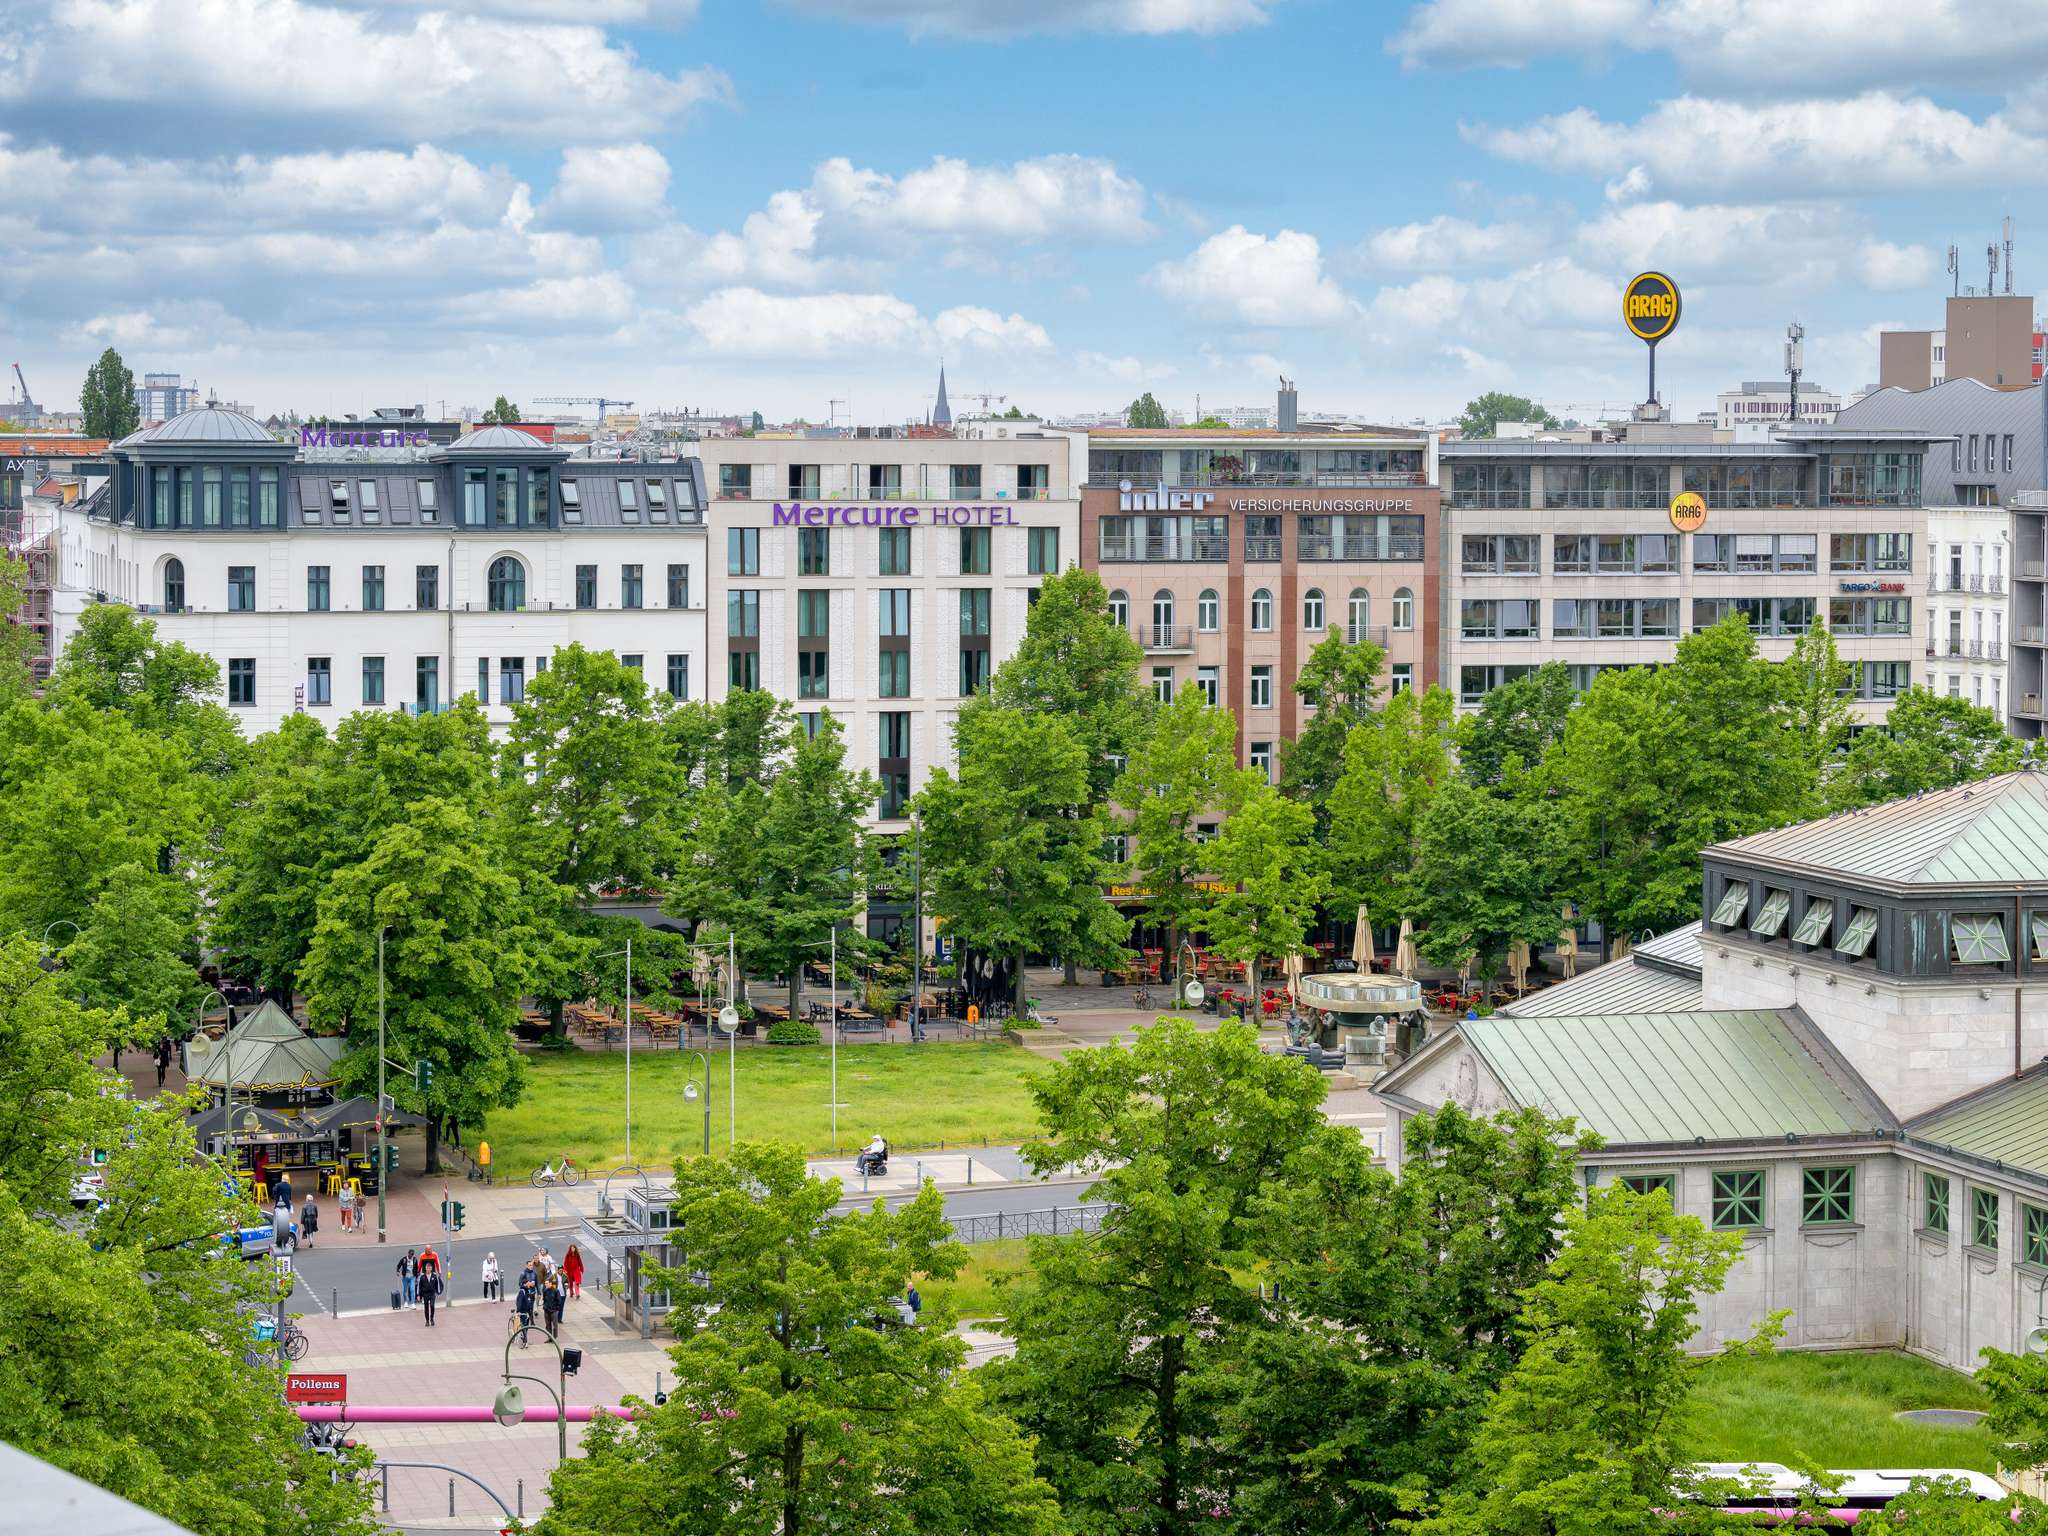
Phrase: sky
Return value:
(797, 206)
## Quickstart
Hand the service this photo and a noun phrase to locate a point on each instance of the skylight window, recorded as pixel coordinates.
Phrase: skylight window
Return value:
(1770, 917)
(1734, 902)
(1979, 939)
(1862, 929)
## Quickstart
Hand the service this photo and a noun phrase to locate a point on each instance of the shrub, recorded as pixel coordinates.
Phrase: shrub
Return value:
(793, 1032)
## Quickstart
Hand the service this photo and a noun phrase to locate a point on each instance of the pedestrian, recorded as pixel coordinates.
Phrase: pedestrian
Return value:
(309, 1221)
(430, 1289)
(347, 1201)
(409, 1276)
(523, 1307)
(551, 1302)
(281, 1190)
(572, 1270)
(912, 1300)
(428, 1256)
(494, 1288)
(163, 1060)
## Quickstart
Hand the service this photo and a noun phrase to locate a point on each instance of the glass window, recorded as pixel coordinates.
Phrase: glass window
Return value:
(1262, 687)
(974, 610)
(678, 676)
(1042, 551)
(505, 498)
(1815, 922)
(973, 672)
(1734, 902)
(1404, 609)
(1208, 611)
(678, 586)
(1262, 759)
(430, 500)
(893, 605)
(1120, 609)
(894, 667)
(1737, 1199)
(813, 680)
(1162, 684)
(572, 502)
(2033, 1223)
(1312, 609)
(1827, 1196)
(242, 680)
(1856, 938)
(631, 586)
(238, 500)
(814, 552)
(742, 551)
(319, 680)
(974, 550)
(586, 586)
(475, 491)
(426, 586)
(629, 502)
(317, 589)
(2037, 926)
(174, 586)
(814, 615)
(895, 552)
(1934, 1188)
(266, 498)
(1643, 1183)
(743, 669)
(511, 679)
(1770, 917)
(1979, 939)
(1571, 554)
(373, 679)
(1262, 610)
(736, 481)
(634, 659)
(366, 499)
(507, 585)
(743, 616)
(1983, 1218)
(657, 501)
(373, 588)
(426, 683)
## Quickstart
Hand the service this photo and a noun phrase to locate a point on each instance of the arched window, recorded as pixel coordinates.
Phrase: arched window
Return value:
(1360, 618)
(1208, 612)
(508, 585)
(174, 586)
(1404, 609)
(1262, 609)
(1162, 617)
(1312, 609)
(1120, 608)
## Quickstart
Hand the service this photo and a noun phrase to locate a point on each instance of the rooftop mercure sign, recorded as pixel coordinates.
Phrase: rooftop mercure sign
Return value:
(361, 437)
(796, 514)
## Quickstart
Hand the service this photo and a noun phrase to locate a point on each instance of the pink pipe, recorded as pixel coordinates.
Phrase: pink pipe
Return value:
(446, 1413)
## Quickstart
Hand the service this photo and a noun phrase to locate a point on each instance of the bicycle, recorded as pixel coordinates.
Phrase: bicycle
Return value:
(296, 1344)
(568, 1175)
(1143, 999)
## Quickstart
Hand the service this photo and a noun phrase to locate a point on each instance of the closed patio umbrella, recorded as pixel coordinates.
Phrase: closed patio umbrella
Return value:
(1404, 951)
(1621, 947)
(1518, 964)
(1361, 942)
(1568, 946)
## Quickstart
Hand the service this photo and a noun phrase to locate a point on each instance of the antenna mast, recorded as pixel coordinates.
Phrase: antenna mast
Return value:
(1955, 269)
(2008, 255)
(1795, 361)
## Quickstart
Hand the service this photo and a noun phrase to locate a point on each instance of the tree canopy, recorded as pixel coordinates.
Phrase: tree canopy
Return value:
(502, 412)
(1145, 412)
(1482, 416)
(106, 400)
(1928, 741)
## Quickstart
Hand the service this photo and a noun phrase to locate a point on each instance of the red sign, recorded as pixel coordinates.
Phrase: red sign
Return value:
(299, 1388)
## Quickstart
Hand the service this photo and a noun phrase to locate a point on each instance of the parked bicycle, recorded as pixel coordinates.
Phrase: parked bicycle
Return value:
(296, 1344)
(568, 1175)
(1143, 999)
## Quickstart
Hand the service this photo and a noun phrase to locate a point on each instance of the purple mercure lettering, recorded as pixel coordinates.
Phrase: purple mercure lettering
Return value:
(312, 437)
(786, 517)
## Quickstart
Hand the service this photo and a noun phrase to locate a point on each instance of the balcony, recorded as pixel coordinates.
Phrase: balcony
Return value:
(1200, 550)
(1165, 639)
(1366, 634)
(2030, 570)
(1311, 546)
(1305, 479)
(1489, 498)
(1259, 547)
(2030, 634)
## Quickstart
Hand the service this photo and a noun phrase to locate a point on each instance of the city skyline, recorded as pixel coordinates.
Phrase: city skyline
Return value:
(331, 207)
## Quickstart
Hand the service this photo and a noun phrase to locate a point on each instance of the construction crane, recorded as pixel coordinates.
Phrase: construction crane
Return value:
(599, 401)
(30, 413)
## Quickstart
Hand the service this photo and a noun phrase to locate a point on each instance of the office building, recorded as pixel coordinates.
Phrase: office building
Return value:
(883, 577)
(1567, 551)
(1841, 1063)
(1993, 339)
(160, 396)
(1768, 402)
(1232, 554)
(396, 582)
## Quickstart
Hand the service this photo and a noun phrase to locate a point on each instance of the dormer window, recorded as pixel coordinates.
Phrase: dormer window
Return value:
(657, 502)
(1862, 929)
(1734, 902)
(1770, 917)
(1813, 927)
(337, 496)
(366, 498)
(1978, 938)
(629, 502)
(572, 502)
(430, 501)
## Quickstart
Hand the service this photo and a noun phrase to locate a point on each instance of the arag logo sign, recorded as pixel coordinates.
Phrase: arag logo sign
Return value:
(1650, 306)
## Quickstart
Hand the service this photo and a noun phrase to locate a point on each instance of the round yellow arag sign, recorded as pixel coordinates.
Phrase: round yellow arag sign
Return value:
(1688, 511)
(1650, 306)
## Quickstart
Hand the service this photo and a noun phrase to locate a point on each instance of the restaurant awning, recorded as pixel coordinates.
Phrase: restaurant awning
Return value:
(360, 1110)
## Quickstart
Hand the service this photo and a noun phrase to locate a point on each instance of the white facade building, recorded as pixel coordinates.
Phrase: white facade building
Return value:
(1969, 606)
(160, 396)
(1770, 401)
(392, 581)
(883, 578)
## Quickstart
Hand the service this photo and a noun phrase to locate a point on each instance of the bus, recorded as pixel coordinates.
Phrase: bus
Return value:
(1777, 1490)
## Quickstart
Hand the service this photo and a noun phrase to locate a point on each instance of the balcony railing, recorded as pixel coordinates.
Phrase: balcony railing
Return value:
(1949, 581)
(1311, 546)
(1490, 498)
(2030, 634)
(1260, 547)
(2031, 569)
(1194, 549)
(1366, 634)
(1303, 479)
(1157, 638)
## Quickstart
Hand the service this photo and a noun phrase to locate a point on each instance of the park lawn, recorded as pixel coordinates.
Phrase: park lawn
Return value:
(1836, 1410)
(915, 1096)
(974, 1291)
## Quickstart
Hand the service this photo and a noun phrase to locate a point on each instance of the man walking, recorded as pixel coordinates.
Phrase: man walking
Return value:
(163, 1061)
(409, 1276)
(430, 1288)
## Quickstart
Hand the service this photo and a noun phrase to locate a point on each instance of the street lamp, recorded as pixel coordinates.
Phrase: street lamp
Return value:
(690, 1094)
(1187, 985)
(833, 940)
(61, 922)
(228, 1103)
(382, 1175)
(612, 954)
(509, 1407)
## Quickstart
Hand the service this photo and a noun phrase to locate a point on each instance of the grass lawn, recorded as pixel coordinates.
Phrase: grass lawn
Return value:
(973, 1292)
(1836, 1410)
(953, 1093)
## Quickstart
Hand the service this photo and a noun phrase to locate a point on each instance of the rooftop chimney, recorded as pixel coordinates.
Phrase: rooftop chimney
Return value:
(1289, 404)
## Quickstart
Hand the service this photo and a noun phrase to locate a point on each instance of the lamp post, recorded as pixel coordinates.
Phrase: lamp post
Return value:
(1187, 987)
(381, 1101)
(509, 1408)
(228, 1104)
(612, 954)
(690, 1093)
(917, 929)
(833, 941)
(61, 922)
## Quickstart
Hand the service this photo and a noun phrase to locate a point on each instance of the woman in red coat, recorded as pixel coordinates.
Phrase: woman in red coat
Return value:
(572, 1269)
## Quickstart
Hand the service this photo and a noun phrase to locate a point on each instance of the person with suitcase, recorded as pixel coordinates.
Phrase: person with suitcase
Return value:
(409, 1276)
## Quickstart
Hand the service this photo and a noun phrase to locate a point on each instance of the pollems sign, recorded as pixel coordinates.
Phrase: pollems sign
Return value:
(797, 514)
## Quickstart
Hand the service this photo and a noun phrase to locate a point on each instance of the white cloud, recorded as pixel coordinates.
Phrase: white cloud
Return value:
(746, 322)
(1746, 47)
(1054, 197)
(1445, 243)
(1004, 18)
(1722, 241)
(613, 186)
(554, 303)
(1125, 370)
(1870, 143)
(968, 325)
(1887, 266)
(1262, 280)
(434, 75)
(654, 13)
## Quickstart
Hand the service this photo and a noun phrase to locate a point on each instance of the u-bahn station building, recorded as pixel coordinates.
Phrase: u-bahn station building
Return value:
(1845, 1061)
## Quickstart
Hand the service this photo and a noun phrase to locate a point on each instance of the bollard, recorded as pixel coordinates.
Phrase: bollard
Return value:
(970, 1173)
(546, 1196)
(334, 1301)
(451, 1498)
(522, 1498)
(387, 1488)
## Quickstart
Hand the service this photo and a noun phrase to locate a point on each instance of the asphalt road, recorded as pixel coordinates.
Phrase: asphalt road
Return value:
(353, 1270)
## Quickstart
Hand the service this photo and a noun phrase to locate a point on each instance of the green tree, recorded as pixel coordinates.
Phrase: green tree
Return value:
(1339, 689)
(502, 412)
(1395, 763)
(1122, 1333)
(1014, 850)
(1482, 417)
(160, 1407)
(1586, 1435)
(458, 957)
(1654, 766)
(18, 643)
(798, 1403)
(1929, 741)
(1145, 412)
(1484, 875)
(138, 952)
(115, 662)
(1213, 423)
(1179, 780)
(1076, 662)
(1814, 684)
(1267, 860)
(1522, 719)
(1014, 414)
(107, 399)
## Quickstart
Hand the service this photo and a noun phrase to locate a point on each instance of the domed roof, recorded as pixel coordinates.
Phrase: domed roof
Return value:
(496, 439)
(209, 424)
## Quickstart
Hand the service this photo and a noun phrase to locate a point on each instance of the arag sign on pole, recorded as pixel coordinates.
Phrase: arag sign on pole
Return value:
(1650, 307)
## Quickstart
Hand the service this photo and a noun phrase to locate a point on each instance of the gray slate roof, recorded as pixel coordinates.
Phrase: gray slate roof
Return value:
(1677, 1077)
(210, 424)
(1992, 832)
(1620, 986)
(495, 439)
(1956, 409)
(1677, 950)
(309, 501)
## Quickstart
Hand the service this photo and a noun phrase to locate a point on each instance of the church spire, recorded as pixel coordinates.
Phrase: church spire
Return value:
(942, 413)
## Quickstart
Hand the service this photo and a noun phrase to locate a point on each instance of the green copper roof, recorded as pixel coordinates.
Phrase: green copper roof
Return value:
(1620, 986)
(2008, 1124)
(1671, 1077)
(1993, 832)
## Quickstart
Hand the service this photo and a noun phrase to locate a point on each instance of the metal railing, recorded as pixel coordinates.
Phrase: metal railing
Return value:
(1215, 549)
(1366, 634)
(1489, 498)
(1302, 479)
(1060, 1221)
(1311, 546)
(1166, 637)
(1258, 547)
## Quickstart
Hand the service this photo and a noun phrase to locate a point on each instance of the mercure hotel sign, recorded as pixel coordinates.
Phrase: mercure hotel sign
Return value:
(796, 514)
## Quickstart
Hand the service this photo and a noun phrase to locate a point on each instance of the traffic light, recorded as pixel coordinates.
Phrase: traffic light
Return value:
(423, 1074)
(455, 1224)
(391, 1159)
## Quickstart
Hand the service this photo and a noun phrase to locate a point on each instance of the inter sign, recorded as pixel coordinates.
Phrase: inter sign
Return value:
(1650, 307)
